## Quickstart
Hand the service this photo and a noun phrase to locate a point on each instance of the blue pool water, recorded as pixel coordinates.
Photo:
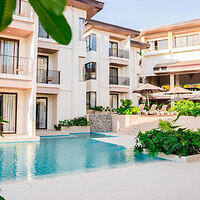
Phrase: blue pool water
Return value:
(58, 155)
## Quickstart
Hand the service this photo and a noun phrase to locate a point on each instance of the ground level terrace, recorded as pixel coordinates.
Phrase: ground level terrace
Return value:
(190, 81)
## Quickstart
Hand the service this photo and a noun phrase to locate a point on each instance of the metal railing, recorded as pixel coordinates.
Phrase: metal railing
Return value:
(90, 76)
(119, 53)
(116, 80)
(15, 65)
(48, 76)
(24, 9)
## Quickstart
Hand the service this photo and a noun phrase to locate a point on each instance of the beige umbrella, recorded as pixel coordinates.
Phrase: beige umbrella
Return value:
(148, 89)
(178, 90)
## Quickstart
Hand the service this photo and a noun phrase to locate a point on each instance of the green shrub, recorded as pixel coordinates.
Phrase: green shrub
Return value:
(81, 121)
(98, 108)
(126, 108)
(186, 108)
(168, 139)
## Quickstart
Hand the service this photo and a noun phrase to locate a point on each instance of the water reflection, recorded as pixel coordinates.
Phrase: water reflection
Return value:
(61, 155)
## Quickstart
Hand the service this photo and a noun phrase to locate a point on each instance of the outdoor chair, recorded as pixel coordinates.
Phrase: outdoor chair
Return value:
(152, 110)
(163, 110)
(141, 109)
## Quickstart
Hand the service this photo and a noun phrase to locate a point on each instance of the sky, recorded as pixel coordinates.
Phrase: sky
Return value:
(143, 14)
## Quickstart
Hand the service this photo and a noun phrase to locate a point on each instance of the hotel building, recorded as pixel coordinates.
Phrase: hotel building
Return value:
(173, 57)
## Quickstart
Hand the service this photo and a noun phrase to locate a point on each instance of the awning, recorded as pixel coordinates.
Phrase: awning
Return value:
(177, 67)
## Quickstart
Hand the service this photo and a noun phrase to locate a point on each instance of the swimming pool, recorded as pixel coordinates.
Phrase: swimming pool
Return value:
(57, 155)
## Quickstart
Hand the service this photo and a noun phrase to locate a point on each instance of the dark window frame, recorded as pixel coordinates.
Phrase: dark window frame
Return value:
(88, 104)
(90, 70)
(16, 95)
(46, 98)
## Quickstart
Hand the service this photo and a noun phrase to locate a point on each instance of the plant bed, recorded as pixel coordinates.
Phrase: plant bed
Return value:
(184, 159)
(75, 129)
(76, 125)
(170, 142)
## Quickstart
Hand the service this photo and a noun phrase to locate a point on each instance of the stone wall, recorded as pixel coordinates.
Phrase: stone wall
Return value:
(99, 123)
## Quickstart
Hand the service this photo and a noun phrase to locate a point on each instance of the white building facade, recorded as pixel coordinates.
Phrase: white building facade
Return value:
(112, 64)
(40, 80)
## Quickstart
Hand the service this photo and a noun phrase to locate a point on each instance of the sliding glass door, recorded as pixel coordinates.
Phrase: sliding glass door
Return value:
(41, 112)
(9, 50)
(8, 112)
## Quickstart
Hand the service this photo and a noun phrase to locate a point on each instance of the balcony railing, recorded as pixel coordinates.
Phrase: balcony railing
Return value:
(23, 8)
(48, 76)
(119, 53)
(15, 65)
(90, 76)
(116, 80)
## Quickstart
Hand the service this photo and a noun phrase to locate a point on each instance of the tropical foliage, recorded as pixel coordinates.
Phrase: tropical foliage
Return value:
(1, 122)
(186, 108)
(81, 121)
(50, 14)
(126, 108)
(168, 139)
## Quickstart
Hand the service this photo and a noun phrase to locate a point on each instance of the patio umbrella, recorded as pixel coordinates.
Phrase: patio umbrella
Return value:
(148, 89)
(177, 91)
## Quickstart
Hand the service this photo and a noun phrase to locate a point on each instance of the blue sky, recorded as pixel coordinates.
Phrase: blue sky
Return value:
(142, 14)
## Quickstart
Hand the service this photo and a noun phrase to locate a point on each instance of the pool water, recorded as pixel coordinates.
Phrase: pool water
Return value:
(56, 155)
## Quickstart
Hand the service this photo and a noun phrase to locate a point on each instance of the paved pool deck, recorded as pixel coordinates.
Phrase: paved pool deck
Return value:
(160, 180)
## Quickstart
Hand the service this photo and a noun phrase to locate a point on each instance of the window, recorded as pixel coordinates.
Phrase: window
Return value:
(90, 71)
(42, 32)
(91, 43)
(185, 41)
(81, 28)
(90, 100)
(158, 45)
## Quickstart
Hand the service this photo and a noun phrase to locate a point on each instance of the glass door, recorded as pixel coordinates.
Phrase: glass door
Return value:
(8, 112)
(41, 112)
(113, 76)
(9, 56)
(113, 49)
(42, 72)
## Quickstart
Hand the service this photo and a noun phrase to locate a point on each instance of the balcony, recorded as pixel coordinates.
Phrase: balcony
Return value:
(48, 81)
(118, 57)
(45, 43)
(119, 84)
(22, 24)
(116, 80)
(90, 76)
(48, 76)
(15, 72)
(23, 9)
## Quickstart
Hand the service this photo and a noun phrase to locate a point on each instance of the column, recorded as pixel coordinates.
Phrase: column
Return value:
(171, 81)
(177, 80)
